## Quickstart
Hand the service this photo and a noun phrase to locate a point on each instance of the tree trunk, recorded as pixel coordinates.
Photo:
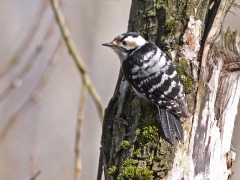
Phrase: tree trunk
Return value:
(207, 61)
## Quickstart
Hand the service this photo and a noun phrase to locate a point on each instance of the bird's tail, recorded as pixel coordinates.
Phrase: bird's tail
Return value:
(171, 125)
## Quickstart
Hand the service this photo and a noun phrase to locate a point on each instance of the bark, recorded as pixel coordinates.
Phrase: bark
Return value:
(207, 61)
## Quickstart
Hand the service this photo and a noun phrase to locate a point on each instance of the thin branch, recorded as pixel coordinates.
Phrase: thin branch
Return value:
(33, 162)
(235, 4)
(30, 63)
(16, 82)
(78, 132)
(36, 175)
(87, 84)
(76, 57)
(33, 173)
(34, 97)
(27, 41)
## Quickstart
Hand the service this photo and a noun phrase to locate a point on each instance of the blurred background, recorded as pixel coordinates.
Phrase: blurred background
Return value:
(40, 85)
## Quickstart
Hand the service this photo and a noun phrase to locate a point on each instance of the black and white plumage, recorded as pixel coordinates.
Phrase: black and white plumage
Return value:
(154, 78)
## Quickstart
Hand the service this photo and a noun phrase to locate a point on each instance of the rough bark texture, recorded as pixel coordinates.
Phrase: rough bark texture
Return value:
(133, 143)
(208, 154)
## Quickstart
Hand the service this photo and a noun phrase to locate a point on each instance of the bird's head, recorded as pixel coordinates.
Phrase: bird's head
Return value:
(125, 43)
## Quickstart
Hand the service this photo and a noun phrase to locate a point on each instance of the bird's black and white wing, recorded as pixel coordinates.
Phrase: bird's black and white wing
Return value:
(152, 74)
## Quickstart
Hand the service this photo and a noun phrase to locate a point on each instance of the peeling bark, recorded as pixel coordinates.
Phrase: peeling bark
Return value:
(208, 63)
(206, 155)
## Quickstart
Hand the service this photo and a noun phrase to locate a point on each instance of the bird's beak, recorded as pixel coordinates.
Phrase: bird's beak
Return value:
(108, 44)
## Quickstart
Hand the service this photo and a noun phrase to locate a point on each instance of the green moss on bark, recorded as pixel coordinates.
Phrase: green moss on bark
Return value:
(131, 171)
(134, 131)
(183, 68)
(112, 170)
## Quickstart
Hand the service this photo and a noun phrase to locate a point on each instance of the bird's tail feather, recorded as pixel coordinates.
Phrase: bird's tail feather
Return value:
(178, 128)
(171, 125)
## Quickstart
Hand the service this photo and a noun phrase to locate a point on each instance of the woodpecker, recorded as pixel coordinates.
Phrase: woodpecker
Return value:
(154, 78)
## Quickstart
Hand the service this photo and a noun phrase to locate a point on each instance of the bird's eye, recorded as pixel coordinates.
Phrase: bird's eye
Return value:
(124, 43)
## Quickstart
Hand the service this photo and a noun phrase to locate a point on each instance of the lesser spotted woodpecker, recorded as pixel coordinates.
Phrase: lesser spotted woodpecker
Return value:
(153, 77)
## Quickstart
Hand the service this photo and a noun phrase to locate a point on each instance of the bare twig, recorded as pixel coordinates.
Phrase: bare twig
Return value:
(27, 41)
(33, 162)
(29, 64)
(87, 84)
(235, 4)
(34, 55)
(34, 95)
(36, 175)
(78, 132)
(33, 173)
(76, 57)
